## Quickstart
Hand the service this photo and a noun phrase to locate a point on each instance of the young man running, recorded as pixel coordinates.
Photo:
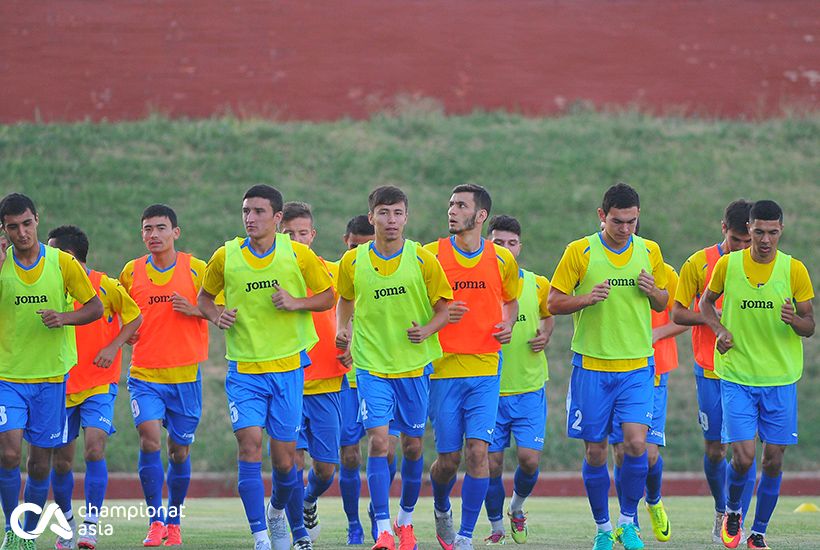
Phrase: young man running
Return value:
(399, 294)
(522, 407)
(91, 390)
(464, 388)
(164, 380)
(266, 278)
(34, 354)
(610, 281)
(766, 311)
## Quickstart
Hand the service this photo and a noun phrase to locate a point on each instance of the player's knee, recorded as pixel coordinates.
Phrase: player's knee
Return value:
(528, 463)
(178, 453)
(377, 445)
(351, 457)
(772, 463)
(635, 446)
(715, 451)
(324, 470)
(446, 465)
(496, 464)
(595, 454)
(742, 461)
(652, 454)
(477, 459)
(412, 447)
(61, 464)
(149, 444)
(10, 457)
(618, 454)
(38, 467)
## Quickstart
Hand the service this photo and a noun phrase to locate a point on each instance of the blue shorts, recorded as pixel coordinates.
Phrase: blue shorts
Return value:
(179, 406)
(463, 408)
(38, 409)
(321, 426)
(352, 430)
(768, 411)
(95, 412)
(271, 400)
(399, 403)
(598, 400)
(523, 415)
(657, 429)
(710, 409)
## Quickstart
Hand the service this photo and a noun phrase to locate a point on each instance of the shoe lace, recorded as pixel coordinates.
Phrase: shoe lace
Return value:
(311, 517)
(757, 540)
(732, 523)
(519, 521)
(629, 534)
(303, 544)
(494, 537)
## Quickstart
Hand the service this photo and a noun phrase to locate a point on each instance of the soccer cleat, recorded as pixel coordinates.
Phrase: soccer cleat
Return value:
(174, 537)
(629, 536)
(157, 532)
(730, 530)
(277, 529)
(67, 544)
(407, 538)
(463, 543)
(87, 536)
(660, 521)
(303, 543)
(27, 544)
(604, 540)
(261, 545)
(717, 527)
(355, 534)
(757, 541)
(10, 541)
(310, 516)
(445, 533)
(385, 541)
(518, 526)
(495, 538)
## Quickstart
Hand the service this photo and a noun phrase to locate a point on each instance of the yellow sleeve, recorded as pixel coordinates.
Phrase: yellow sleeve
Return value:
(313, 270)
(198, 271)
(672, 285)
(718, 279)
(117, 300)
(691, 279)
(127, 275)
(213, 282)
(432, 247)
(802, 289)
(344, 283)
(658, 265)
(542, 286)
(75, 279)
(572, 267)
(510, 278)
(332, 270)
(438, 287)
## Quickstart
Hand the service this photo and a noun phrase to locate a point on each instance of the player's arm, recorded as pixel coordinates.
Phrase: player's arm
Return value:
(116, 299)
(653, 285)
(213, 282)
(4, 244)
(511, 285)
(708, 309)
(543, 334)
(344, 314)
(78, 286)
(800, 317)
(441, 317)
(685, 293)
(88, 313)
(345, 305)
(669, 330)
(571, 268)
(105, 357)
(318, 280)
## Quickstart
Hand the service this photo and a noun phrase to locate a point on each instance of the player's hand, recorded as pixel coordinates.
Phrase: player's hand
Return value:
(504, 333)
(787, 313)
(181, 305)
(538, 343)
(417, 333)
(283, 300)
(134, 339)
(456, 310)
(345, 358)
(724, 341)
(342, 339)
(599, 293)
(646, 283)
(105, 358)
(226, 318)
(51, 318)
(4, 244)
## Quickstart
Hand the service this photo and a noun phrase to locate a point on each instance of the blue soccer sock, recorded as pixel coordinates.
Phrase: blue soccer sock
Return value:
(749, 488)
(393, 467)
(735, 483)
(152, 478)
(378, 481)
(523, 483)
(654, 479)
(411, 472)
(10, 482)
(96, 482)
(633, 483)
(179, 478)
(317, 486)
(616, 475)
(295, 507)
(286, 483)
(716, 478)
(36, 492)
(767, 494)
(441, 493)
(252, 492)
(350, 485)
(473, 493)
(596, 483)
(62, 485)
(494, 502)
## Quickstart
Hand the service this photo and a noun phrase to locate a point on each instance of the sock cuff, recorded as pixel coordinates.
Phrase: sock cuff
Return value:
(589, 469)
(635, 461)
(249, 468)
(288, 479)
(35, 483)
(658, 464)
(183, 467)
(348, 472)
(519, 473)
(95, 466)
(149, 458)
(6, 473)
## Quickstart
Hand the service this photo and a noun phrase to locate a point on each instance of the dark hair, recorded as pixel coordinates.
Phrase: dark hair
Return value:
(160, 211)
(264, 191)
(359, 225)
(15, 204)
(71, 238)
(480, 195)
(620, 195)
(386, 195)
(766, 210)
(736, 215)
(296, 209)
(505, 223)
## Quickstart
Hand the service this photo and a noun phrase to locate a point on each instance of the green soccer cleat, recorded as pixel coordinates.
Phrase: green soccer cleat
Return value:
(604, 540)
(629, 536)
(660, 521)
(10, 541)
(518, 526)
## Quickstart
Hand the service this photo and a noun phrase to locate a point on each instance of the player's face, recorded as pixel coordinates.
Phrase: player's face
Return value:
(619, 224)
(158, 235)
(736, 241)
(508, 240)
(22, 230)
(765, 235)
(300, 230)
(389, 221)
(462, 215)
(352, 240)
(259, 218)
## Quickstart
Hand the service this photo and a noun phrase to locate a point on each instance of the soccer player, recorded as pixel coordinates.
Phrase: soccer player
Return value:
(694, 278)
(321, 405)
(610, 281)
(164, 380)
(91, 390)
(359, 230)
(266, 278)
(464, 388)
(766, 311)
(35, 281)
(522, 406)
(399, 294)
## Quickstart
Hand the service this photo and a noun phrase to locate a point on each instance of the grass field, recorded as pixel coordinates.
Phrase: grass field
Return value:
(550, 173)
(554, 523)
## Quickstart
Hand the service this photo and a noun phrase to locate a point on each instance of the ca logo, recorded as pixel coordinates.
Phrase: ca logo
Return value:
(62, 529)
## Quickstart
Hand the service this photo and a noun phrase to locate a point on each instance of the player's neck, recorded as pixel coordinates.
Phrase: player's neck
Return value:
(388, 248)
(262, 246)
(611, 243)
(164, 259)
(761, 259)
(27, 257)
(469, 241)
